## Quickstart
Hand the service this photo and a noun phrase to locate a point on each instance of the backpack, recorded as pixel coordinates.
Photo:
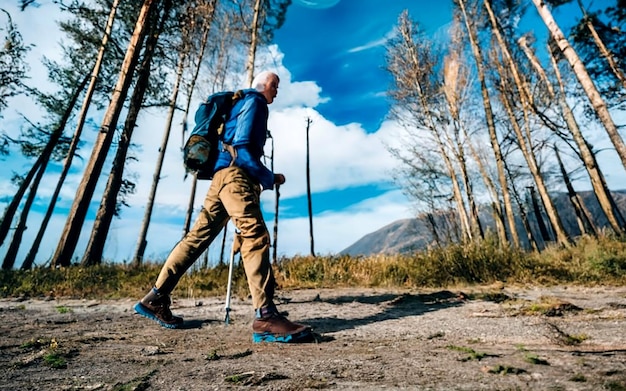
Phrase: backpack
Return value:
(202, 147)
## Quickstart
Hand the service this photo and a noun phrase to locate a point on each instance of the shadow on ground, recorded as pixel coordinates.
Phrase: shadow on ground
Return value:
(392, 306)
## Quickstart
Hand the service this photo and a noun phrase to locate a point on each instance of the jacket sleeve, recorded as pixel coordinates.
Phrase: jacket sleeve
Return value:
(254, 167)
(249, 140)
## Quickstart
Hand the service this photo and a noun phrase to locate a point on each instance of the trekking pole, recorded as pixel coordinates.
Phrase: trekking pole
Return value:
(231, 266)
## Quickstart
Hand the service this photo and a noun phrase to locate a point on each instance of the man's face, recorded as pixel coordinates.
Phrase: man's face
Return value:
(271, 89)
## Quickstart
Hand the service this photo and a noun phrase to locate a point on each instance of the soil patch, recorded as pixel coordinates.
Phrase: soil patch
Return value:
(484, 338)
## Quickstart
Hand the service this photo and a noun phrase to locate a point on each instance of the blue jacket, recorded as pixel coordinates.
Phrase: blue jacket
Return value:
(246, 130)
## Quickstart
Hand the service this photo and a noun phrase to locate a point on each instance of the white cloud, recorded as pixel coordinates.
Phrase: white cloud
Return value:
(375, 43)
(369, 45)
(334, 231)
(340, 156)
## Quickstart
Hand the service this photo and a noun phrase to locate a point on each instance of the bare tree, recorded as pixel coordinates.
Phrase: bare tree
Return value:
(617, 71)
(67, 163)
(590, 32)
(582, 214)
(455, 86)
(524, 137)
(40, 169)
(491, 126)
(254, 41)
(11, 254)
(108, 205)
(585, 80)
(76, 217)
(206, 10)
(419, 103)
(205, 28)
(584, 150)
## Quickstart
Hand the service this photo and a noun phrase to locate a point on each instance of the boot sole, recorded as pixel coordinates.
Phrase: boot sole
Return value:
(145, 312)
(303, 336)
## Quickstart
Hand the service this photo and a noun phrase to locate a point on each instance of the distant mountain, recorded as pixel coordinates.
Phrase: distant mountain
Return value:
(407, 235)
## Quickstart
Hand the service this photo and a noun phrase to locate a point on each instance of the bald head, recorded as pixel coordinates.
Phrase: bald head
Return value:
(266, 83)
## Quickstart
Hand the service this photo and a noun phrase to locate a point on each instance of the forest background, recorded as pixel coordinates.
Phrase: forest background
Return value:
(493, 115)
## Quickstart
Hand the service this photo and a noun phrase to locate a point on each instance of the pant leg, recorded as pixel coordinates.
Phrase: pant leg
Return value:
(241, 198)
(207, 226)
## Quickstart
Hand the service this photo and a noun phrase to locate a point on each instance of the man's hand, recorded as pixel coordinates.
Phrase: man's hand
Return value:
(279, 179)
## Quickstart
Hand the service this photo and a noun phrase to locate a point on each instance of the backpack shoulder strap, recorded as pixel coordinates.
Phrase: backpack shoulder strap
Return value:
(237, 95)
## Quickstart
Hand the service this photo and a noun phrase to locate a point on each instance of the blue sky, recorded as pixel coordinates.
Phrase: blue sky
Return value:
(341, 48)
(330, 57)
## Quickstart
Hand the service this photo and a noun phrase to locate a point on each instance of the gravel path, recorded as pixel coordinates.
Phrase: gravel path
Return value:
(483, 338)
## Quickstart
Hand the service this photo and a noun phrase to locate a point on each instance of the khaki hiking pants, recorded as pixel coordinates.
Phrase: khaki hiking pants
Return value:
(232, 194)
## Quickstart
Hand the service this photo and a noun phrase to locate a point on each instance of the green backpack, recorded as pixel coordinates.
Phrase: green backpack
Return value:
(201, 148)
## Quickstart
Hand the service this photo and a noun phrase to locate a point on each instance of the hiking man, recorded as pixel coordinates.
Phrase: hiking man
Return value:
(234, 193)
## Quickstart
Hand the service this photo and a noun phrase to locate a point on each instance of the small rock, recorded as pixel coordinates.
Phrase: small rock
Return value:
(151, 351)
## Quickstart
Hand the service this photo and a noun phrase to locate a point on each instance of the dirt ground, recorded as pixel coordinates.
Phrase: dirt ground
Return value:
(483, 338)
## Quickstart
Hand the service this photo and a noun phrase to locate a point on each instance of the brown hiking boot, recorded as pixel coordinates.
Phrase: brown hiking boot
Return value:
(156, 306)
(270, 326)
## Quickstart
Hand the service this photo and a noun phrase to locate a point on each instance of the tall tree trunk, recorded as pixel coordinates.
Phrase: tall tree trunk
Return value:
(308, 188)
(453, 76)
(9, 212)
(530, 236)
(192, 197)
(206, 29)
(82, 116)
(108, 205)
(525, 140)
(491, 126)
(254, 41)
(11, 254)
(40, 164)
(598, 182)
(143, 232)
(475, 226)
(584, 222)
(604, 51)
(543, 229)
(496, 205)
(21, 227)
(466, 230)
(76, 218)
(585, 80)
(525, 145)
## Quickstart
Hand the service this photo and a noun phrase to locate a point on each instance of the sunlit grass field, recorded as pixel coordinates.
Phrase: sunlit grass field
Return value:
(590, 261)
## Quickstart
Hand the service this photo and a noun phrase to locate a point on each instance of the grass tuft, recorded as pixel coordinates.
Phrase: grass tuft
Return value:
(506, 370)
(54, 360)
(63, 309)
(589, 261)
(472, 354)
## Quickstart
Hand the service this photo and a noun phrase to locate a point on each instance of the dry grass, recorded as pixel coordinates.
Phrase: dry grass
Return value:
(590, 261)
